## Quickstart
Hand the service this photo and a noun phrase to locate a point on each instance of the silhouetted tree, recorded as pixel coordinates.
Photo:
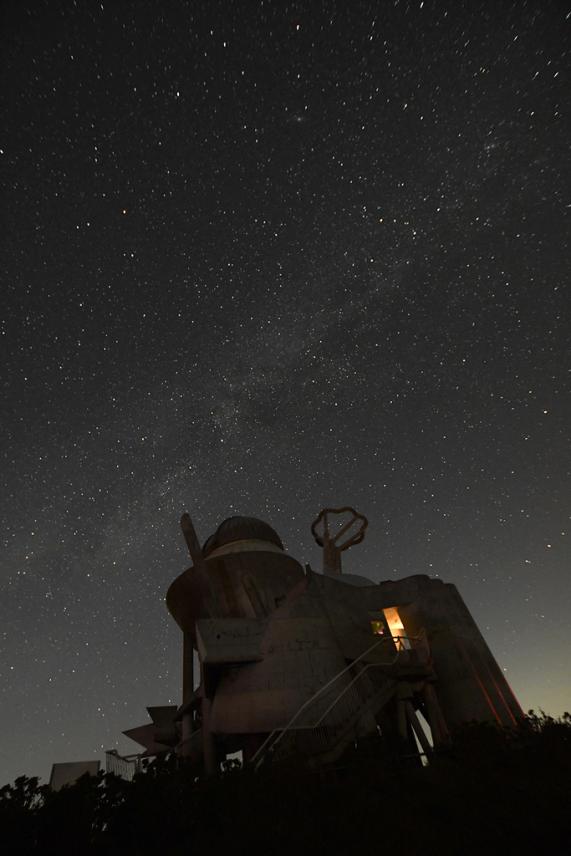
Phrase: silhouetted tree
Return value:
(494, 791)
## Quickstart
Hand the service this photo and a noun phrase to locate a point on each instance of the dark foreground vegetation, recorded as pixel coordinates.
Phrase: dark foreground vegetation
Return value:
(496, 792)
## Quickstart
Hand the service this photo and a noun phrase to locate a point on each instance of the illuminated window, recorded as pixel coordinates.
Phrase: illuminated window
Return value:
(396, 627)
(378, 627)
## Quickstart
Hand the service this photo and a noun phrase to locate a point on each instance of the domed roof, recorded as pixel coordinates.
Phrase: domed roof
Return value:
(241, 529)
(355, 580)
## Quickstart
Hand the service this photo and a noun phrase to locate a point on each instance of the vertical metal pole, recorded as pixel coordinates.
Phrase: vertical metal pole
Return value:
(199, 564)
(187, 690)
(192, 541)
(208, 747)
(331, 558)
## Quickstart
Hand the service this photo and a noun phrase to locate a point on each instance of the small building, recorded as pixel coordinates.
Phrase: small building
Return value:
(67, 773)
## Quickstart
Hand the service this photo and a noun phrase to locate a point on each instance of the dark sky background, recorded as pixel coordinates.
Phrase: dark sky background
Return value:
(259, 258)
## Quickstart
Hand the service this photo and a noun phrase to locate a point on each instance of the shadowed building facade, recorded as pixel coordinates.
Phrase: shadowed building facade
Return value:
(293, 661)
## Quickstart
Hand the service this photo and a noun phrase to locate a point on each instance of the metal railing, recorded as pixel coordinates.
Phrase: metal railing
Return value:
(278, 734)
(418, 644)
(124, 766)
(323, 733)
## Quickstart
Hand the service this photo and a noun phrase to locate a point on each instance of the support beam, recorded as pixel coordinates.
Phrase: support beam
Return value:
(192, 541)
(187, 690)
(417, 728)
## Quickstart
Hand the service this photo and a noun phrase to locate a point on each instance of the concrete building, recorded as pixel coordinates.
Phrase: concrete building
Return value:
(291, 660)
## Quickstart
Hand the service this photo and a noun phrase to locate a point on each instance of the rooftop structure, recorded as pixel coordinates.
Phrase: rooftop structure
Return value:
(67, 773)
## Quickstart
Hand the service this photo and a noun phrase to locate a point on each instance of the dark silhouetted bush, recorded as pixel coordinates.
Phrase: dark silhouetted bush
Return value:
(495, 791)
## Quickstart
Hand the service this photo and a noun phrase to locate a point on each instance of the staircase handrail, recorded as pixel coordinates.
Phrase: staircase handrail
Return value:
(258, 756)
(348, 687)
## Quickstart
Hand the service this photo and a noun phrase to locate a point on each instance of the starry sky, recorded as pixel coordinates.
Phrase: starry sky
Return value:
(260, 258)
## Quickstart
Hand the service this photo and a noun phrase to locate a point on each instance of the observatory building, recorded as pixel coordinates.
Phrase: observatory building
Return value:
(279, 659)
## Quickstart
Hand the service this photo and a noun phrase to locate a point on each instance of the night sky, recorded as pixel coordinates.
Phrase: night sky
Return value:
(259, 258)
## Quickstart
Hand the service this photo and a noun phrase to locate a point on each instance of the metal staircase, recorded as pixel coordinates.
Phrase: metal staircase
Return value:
(326, 743)
(360, 700)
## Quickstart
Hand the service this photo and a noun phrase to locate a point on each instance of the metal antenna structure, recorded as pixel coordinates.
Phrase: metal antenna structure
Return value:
(331, 541)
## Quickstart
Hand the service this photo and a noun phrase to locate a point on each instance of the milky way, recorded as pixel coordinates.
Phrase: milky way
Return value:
(261, 258)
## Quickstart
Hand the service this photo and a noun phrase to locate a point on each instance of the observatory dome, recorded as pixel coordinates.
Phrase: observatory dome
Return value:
(245, 529)
(355, 580)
